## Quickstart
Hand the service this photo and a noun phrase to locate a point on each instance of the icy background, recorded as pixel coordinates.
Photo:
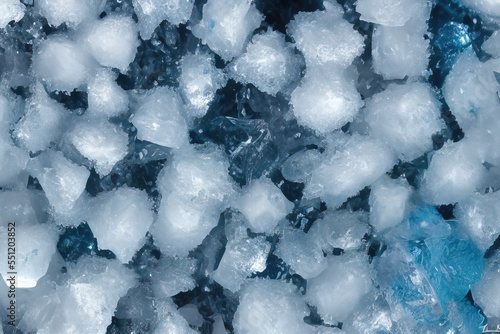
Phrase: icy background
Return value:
(237, 166)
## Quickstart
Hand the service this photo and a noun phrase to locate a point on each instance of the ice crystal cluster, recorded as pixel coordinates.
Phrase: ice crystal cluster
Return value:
(250, 166)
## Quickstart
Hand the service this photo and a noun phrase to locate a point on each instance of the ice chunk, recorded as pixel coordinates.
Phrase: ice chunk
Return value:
(62, 181)
(337, 291)
(105, 97)
(191, 314)
(103, 143)
(60, 63)
(170, 320)
(34, 246)
(71, 12)
(113, 41)
(300, 251)
(454, 173)
(242, 258)
(226, 26)
(391, 13)
(488, 7)
(405, 117)
(269, 63)
(42, 122)
(389, 202)
(152, 12)
(298, 167)
(340, 229)
(119, 220)
(159, 118)
(324, 37)
(195, 188)
(16, 207)
(199, 80)
(173, 275)
(485, 292)
(492, 45)
(271, 307)
(325, 99)
(12, 164)
(480, 215)
(263, 205)
(10, 10)
(357, 164)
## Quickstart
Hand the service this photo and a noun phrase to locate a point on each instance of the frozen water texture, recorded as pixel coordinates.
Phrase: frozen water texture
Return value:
(171, 320)
(11, 10)
(405, 117)
(199, 81)
(269, 63)
(325, 100)
(105, 97)
(325, 38)
(297, 167)
(484, 291)
(390, 13)
(113, 41)
(71, 12)
(263, 205)
(160, 118)
(153, 12)
(119, 220)
(492, 44)
(173, 275)
(226, 26)
(103, 143)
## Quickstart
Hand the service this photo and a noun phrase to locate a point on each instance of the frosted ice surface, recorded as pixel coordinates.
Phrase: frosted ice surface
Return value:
(455, 172)
(227, 25)
(389, 202)
(359, 163)
(324, 37)
(492, 44)
(42, 122)
(13, 162)
(199, 80)
(405, 117)
(105, 97)
(152, 12)
(263, 205)
(34, 251)
(298, 167)
(71, 12)
(391, 13)
(300, 251)
(10, 10)
(16, 207)
(113, 41)
(490, 8)
(480, 214)
(337, 291)
(62, 181)
(340, 229)
(171, 321)
(173, 275)
(271, 307)
(119, 220)
(325, 100)
(103, 143)
(485, 292)
(242, 258)
(159, 118)
(195, 188)
(269, 63)
(61, 64)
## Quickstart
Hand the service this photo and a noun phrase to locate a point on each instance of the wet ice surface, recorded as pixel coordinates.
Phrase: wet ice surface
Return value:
(222, 166)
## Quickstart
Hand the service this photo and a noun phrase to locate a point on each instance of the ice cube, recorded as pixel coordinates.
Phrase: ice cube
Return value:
(113, 41)
(226, 26)
(103, 143)
(170, 320)
(263, 205)
(324, 37)
(62, 181)
(297, 167)
(242, 258)
(159, 118)
(119, 220)
(173, 275)
(13, 162)
(105, 97)
(152, 12)
(337, 291)
(71, 12)
(271, 306)
(10, 10)
(42, 123)
(485, 291)
(358, 163)
(391, 13)
(389, 202)
(405, 117)
(325, 100)
(269, 63)
(199, 80)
